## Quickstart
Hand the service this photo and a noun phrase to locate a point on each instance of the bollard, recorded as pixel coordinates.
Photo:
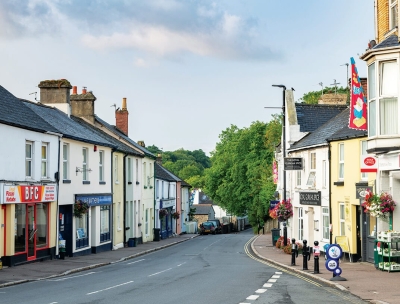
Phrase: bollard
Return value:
(295, 252)
(284, 234)
(316, 257)
(306, 254)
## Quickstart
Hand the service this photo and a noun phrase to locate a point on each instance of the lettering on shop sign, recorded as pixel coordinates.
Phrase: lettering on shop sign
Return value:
(29, 194)
(310, 198)
(293, 163)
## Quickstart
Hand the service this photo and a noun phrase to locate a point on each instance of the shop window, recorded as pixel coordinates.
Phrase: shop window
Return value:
(82, 230)
(301, 227)
(28, 159)
(41, 225)
(104, 223)
(325, 223)
(65, 161)
(342, 219)
(44, 168)
(101, 166)
(85, 164)
(20, 228)
(341, 162)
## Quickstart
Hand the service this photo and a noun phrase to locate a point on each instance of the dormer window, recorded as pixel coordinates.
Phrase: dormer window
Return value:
(393, 14)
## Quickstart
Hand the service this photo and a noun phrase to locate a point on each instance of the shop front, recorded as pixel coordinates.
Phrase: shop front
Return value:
(88, 231)
(29, 232)
(166, 222)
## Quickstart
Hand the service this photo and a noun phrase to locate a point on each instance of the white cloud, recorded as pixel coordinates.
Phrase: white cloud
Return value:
(140, 62)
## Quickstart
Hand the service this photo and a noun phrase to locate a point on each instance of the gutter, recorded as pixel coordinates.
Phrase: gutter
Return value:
(330, 193)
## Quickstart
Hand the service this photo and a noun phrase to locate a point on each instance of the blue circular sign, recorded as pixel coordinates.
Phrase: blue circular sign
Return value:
(331, 265)
(334, 252)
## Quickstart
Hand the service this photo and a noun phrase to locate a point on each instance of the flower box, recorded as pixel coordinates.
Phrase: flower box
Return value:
(395, 267)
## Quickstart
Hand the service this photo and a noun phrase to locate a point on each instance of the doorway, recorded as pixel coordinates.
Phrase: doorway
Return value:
(32, 230)
(4, 226)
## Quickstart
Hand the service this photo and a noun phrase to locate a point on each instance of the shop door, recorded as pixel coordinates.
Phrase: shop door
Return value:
(4, 226)
(31, 223)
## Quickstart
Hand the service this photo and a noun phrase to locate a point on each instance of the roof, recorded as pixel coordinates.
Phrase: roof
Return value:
(391, 41)
(311, 116)
(116, 131)
(120, 146)
(15, 113)
(202, 209)
(320, 136)
(66, 126)
(162, 173)
(204, 198)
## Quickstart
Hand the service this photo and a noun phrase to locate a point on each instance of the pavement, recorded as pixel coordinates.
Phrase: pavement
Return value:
(363, 280)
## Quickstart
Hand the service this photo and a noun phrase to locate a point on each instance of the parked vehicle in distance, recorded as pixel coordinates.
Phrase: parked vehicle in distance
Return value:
(207, 228)
(217, 225)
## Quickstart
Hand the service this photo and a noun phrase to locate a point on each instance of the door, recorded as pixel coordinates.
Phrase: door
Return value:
(359, 232)
(31, 227)
(4, 226)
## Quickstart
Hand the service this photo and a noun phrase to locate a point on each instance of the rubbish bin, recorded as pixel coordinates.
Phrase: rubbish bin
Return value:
(224, 229)
(156, 234)
(275, 235)
(131, 242)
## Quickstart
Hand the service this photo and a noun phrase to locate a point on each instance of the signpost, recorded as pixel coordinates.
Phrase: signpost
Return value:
(334, 253)
(293, 163)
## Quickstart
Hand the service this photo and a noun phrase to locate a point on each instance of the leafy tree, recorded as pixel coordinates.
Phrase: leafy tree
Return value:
(313, 96)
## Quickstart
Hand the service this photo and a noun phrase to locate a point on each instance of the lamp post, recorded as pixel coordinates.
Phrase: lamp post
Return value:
(283, 154)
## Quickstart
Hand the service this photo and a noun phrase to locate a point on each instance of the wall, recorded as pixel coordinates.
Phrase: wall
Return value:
(118, 202)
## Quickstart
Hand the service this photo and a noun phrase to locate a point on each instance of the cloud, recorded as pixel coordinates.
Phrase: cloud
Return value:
(161, 28)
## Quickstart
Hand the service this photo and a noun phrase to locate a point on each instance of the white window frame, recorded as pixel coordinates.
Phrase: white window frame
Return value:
(342, 219)
(101, 166)
(363, 148)
(301, 224)
(116, 169)
(313, 166)
(29, 159)
(150, 174)
(298, 178)
(325, 223)
(324, 174)
(393, 14)
(137, 170)
(388, 101)
(341, 162)
(129, 170)
(65, 161)
(44, 168)
(85, 163)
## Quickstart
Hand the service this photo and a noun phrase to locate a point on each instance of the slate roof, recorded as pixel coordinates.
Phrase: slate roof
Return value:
(319, 136)
(311, 116)
(115, 130)
(118, 144)
(163, 173)
(202, 208)
(346, 133)
(66, 126)
(391, 41)
(15, 113)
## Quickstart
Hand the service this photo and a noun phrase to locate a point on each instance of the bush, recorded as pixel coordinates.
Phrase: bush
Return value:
(287, 249)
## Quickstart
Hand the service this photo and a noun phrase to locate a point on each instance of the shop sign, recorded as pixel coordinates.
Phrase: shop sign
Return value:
(29, 194)
(389, 162)
(293, 163)
(369, 163)
(310, 198)
(272, 204)
(95, 200)
(167, 203)
(361, 191)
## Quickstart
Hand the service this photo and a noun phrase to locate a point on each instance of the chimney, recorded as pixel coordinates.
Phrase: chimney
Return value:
(54, 92)
(74, 90)
(82, 105)
(159, 159)
(121, 117)
(141, 143)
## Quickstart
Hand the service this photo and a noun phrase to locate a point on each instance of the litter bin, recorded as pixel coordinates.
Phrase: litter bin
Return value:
(156, 234)
(131, 242)
(275, 235)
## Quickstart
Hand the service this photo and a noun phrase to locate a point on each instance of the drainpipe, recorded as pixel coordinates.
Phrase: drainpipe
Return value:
(124, 209)
(154, 198)
(112, 194)
(330, 192)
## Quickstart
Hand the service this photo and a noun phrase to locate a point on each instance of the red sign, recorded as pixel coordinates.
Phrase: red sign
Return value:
(369, 163)
(29, 194)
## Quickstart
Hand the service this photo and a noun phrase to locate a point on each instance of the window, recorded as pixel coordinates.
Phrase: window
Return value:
(144, 174)
(162, 190)
(313, 166)
(364, 175)
(137, 170)
(301, 223)
(372, 118)
(341, 161)
(41, 224)
(116, 168)
(324, 174)
(28, 159)
(129, 170)
(147, 222)
(44, 168)
(82, 238)
(311, 179)
(393, 14)
(104, 223)
(342, 219)
(157, 189)
(388, 100)
(150, 174)
(313, 161)
(65, 161)
(371, 81)
(85, 164)
(325, 223)
(20, 228)
(101, 166)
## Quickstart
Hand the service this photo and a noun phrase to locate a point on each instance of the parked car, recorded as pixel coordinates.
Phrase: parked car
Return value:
(207, 228)
(217, 225)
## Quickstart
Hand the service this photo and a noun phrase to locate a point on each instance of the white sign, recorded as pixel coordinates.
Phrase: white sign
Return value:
(369, 163)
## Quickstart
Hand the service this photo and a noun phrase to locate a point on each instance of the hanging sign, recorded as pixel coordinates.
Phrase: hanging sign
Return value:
(369, 163)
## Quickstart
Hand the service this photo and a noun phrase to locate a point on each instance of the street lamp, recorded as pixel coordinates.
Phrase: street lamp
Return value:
(283, 153)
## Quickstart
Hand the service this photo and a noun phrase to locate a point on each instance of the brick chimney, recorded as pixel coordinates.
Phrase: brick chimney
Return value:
(82, 105)
(121, 117)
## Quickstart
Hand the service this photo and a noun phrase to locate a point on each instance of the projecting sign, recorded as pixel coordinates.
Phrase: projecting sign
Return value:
(310, 198)
(361, 191)
(369, 163)
(293, 163)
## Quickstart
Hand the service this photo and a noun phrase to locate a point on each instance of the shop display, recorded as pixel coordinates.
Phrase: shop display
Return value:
(389, 250)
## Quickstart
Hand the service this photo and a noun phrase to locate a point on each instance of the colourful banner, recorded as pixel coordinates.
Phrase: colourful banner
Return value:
(358, 103)
(275, 172)
(29, 194)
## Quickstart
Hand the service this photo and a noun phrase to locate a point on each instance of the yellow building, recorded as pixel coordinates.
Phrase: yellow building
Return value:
(348, 186)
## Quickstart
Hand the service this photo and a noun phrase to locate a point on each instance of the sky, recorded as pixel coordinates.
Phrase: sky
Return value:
(188, 68)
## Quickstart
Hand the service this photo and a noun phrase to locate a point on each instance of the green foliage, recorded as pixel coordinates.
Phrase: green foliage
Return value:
(313, 96)
(240, 178)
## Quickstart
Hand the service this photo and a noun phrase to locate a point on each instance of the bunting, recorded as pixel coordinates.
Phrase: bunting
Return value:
(358, 103)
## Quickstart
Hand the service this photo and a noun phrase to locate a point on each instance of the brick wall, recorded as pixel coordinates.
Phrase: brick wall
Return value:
(121, 120)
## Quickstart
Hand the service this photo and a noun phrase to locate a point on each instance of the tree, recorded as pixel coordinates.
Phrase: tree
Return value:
(313, 96)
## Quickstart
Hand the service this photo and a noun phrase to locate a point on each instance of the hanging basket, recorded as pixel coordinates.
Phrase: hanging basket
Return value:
(80, 208)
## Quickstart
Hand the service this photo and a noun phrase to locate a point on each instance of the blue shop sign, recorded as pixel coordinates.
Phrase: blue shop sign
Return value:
(95, 200)
(272, 204)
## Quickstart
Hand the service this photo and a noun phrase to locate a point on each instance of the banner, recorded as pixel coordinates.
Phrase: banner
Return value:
(275, 172)
(29, 194)
(358, 103)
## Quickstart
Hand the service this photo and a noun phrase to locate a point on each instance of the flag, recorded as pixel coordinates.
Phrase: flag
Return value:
(275, 172)
(358, 103)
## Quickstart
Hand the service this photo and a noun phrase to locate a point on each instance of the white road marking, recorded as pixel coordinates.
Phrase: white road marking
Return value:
(271, 280)
(275, 276)
(160, 272)
(253, 297)
(73, 277)
(267, 285)
(181, 264)
(261, 290)
(108, 288)
(53, 303)
(278, 272)
(135, 262)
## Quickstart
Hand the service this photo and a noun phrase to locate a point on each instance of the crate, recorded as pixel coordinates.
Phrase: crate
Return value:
(395, 267)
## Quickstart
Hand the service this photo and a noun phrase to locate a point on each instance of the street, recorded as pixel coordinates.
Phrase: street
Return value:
(207, 269)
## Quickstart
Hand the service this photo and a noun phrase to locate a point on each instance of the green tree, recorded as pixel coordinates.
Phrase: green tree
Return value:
(313, 96)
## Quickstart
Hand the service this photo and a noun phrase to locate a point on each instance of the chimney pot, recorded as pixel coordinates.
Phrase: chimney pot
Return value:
(84, 90)
(124, 108)
(74, 90)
